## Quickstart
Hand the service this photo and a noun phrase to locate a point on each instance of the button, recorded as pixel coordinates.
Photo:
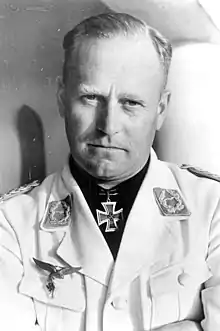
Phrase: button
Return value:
(183, 279)
(119, 303)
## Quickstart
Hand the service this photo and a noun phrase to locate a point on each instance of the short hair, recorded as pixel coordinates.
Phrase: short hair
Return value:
(109, 25)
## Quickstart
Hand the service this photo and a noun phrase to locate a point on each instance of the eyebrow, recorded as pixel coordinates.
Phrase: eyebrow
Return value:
(83, 88)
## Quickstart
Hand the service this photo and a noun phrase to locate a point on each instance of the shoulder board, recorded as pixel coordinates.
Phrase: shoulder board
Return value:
(200, 172)
(19, 190)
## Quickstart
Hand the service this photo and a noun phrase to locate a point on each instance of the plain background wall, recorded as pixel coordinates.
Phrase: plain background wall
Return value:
(191, 132)
(32, 138)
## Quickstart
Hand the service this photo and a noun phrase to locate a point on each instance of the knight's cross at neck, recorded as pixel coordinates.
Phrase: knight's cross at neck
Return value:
(110, 215)
(110, 207)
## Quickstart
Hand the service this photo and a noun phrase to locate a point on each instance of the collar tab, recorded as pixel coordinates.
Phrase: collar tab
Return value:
(170, 202)
(57, 215)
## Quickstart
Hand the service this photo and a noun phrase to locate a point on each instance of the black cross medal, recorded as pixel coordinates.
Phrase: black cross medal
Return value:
(110, 216)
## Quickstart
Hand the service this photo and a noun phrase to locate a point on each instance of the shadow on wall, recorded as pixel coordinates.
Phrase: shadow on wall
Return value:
(32, 149)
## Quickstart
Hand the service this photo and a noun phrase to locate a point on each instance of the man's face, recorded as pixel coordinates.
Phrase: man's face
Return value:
(111, 105)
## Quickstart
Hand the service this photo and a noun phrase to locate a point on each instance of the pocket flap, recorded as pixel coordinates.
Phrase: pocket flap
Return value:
(164, 281)
(198, 272)
(170, 279)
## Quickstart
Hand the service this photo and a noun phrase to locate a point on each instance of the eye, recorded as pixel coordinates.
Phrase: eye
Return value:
(89, 97)
(130, 103)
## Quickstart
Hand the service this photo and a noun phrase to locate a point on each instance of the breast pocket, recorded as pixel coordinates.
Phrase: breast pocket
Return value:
(175, 293)
(64, 310)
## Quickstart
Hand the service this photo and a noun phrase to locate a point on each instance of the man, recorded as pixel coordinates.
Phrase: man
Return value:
(118, 240)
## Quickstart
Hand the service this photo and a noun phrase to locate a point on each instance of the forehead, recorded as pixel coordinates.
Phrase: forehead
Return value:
(125, 62)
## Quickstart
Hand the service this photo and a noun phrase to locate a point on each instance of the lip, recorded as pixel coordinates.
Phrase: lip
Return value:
(109, 147)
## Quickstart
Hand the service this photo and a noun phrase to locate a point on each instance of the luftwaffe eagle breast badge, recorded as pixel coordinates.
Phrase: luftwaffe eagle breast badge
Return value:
(54, 272)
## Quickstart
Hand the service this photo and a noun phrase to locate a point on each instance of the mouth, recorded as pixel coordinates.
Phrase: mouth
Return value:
(106, 147)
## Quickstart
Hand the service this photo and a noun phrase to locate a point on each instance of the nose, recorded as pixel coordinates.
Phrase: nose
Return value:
(108, 118)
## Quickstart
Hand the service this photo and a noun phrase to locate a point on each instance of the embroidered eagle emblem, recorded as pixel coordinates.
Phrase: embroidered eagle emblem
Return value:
(54, 272)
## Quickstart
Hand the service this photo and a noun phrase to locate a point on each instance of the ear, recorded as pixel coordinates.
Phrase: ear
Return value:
(61, 96)
(162, 108)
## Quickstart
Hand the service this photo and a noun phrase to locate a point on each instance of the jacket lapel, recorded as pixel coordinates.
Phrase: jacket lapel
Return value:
(68, 291)
(85, 238)
(78, 243)
(149, 237)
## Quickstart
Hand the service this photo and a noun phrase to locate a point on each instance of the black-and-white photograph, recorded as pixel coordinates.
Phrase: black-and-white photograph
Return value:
(110, 165)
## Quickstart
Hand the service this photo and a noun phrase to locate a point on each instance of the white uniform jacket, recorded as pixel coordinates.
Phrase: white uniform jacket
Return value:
(167, 268)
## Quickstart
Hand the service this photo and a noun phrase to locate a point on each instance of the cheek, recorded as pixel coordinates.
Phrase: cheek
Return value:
(141, 131)
(79, 123)
(141, 138)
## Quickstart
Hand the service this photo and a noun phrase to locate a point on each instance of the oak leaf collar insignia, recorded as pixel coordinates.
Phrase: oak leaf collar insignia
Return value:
(170, 202)
(58, 214)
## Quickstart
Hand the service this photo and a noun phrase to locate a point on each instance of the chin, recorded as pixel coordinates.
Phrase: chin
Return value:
(104, 170)
(102, 173)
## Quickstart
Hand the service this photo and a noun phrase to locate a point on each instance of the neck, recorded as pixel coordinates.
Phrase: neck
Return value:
(84, 177)
(108, 184)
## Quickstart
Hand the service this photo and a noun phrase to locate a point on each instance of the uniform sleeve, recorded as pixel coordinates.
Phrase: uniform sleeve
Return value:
(211, 293)
(16, 310)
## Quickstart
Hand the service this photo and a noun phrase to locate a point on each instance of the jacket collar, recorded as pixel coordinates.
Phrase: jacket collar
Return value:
(146, 233)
